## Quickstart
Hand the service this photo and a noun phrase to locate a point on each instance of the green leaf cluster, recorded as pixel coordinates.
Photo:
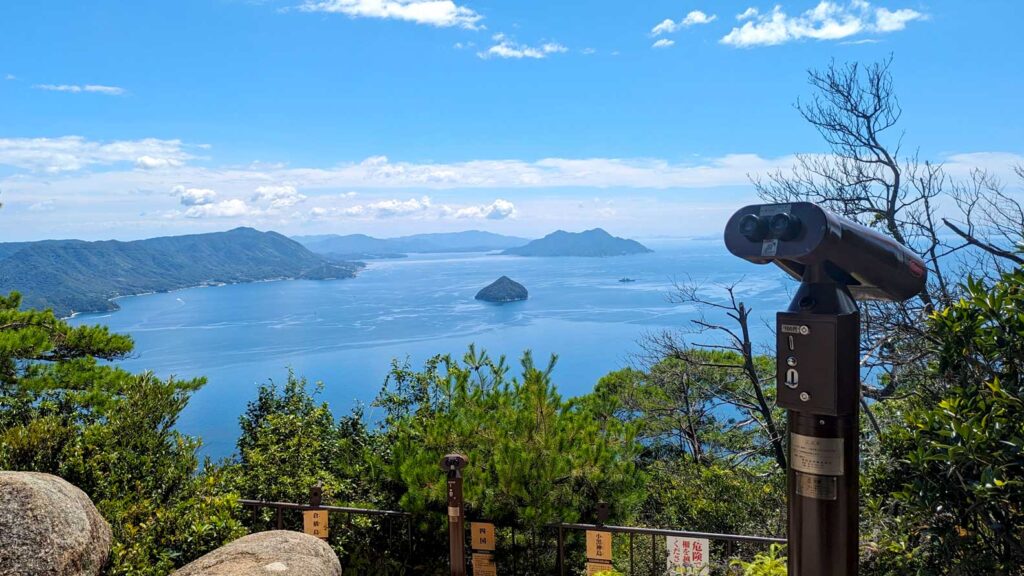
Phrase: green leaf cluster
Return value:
(534, 457)
(955, 469)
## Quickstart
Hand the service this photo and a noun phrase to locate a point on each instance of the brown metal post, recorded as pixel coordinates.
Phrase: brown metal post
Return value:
(453, 464)
(819, 383)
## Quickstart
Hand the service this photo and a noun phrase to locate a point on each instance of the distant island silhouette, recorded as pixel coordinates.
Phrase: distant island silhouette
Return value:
(589, 243)
(503, 289)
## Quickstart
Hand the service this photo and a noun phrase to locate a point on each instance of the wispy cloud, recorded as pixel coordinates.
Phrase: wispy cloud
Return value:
(415, 208)
(10, 77)
(69, 153)
(278, 196)
(826, 21)
(669, 26)
(500, 209)
(509, 48)
(75, 89)
(663, 43)
(440, 13)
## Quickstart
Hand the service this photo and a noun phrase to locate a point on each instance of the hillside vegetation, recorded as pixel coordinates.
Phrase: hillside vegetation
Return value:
(363, 246)
(589, 243)
(76, 276)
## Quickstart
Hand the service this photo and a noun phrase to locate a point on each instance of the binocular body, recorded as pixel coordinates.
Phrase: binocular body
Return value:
(800, 236)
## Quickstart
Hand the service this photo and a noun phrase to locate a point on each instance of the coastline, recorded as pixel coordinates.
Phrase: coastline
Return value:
(115, 307)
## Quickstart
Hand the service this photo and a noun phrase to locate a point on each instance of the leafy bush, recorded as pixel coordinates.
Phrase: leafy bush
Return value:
(770, 563)
(956, 468)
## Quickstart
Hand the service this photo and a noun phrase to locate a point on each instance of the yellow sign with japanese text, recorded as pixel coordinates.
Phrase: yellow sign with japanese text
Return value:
(599, 545)
(481, 536)
(314, 523)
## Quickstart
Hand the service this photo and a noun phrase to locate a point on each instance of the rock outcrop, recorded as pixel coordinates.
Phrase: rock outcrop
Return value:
(503, 289)
(274, 553)
(48, 527)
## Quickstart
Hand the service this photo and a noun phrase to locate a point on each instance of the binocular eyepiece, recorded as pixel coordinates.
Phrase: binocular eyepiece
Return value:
(781, 226)
(451, 462)
(802, 237)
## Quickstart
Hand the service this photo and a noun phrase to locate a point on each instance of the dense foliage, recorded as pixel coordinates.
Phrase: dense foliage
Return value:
(112, 434)
(955, 468)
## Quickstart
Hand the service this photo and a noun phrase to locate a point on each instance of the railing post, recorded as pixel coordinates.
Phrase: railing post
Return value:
(561, 552)
(654, 551)
(632, 570)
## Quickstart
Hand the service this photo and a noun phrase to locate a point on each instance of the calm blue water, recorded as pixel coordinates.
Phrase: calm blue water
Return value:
(345, 333)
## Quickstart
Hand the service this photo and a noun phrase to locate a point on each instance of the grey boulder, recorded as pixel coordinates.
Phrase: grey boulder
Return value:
(274, 553)
(48, 527)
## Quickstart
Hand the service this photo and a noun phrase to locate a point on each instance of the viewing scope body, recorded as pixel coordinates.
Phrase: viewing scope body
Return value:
(801, 235)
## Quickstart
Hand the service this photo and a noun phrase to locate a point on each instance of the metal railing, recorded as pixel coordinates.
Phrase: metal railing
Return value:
(657, 559)
(387, 525)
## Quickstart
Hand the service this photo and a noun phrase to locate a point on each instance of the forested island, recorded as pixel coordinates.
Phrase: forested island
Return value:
(74, 276)
(503, 289)
(361, 246)
(589, 243)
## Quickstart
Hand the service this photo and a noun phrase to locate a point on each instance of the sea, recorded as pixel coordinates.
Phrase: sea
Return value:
(347, 333)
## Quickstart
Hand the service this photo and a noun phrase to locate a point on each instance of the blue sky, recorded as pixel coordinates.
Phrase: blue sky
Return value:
(127, 120)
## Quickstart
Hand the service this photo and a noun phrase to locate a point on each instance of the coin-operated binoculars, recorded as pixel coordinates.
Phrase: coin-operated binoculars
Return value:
(452, 465)
(818, 371)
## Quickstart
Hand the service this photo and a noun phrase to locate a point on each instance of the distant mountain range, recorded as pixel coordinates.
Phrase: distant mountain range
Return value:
(76, 276)
(365, 247)
(592, 243)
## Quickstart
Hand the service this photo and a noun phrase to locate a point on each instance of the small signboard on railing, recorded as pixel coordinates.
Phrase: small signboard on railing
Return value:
(688, 556)
(482, 536)
(599, 551)
(599, 545)
(314, 523)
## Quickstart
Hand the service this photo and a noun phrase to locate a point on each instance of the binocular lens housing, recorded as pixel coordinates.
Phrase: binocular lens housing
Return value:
(783, 226)
(801, 236)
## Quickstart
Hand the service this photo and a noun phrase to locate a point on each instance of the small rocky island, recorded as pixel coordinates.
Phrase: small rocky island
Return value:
(503, 289)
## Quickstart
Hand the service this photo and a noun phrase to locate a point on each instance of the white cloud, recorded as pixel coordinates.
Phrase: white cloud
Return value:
(231, 208)
(69, 153)
(194, 196)
(277, 197)
(500, 209)
(508, 48)
(886, 21)
(663, 43)
(388, 208)
(826, 21)
(698, 17)
(42, 206)
(75, 88)
(151, 163)
(422, 208)
(10, 77)
(747, 14)
(440, 13)
(668, 26)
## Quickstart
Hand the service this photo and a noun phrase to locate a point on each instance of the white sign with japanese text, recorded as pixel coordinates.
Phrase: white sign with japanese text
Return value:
(688, 556)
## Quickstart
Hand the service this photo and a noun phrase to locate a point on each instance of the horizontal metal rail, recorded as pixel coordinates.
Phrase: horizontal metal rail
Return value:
(667, 532)
(344, 509)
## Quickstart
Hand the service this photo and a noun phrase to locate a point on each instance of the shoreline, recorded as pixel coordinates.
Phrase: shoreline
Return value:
(113, 300)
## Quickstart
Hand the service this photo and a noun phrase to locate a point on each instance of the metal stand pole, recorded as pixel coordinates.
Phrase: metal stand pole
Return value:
(456, 518)
(819, 384)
